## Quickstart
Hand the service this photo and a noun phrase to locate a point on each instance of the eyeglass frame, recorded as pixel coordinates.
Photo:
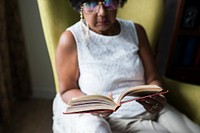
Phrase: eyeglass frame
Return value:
(100, 3)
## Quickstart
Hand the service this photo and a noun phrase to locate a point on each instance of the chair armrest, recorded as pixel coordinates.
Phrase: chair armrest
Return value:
(185, 97)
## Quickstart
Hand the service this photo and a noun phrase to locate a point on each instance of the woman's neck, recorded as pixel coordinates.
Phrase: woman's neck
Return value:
(113, 30)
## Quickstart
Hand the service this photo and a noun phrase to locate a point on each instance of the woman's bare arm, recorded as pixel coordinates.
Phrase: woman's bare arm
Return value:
(67, 67)
(152, 75)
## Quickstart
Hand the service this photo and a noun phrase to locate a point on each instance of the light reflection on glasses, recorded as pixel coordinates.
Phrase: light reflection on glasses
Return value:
(92, 7)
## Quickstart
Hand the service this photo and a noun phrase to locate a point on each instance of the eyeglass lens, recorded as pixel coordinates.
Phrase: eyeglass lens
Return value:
(93, 6)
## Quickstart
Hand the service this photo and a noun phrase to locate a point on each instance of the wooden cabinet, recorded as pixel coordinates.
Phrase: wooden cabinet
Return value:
(184, 57)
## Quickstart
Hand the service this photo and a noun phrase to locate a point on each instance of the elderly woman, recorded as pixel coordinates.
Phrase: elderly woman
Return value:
(102, 54)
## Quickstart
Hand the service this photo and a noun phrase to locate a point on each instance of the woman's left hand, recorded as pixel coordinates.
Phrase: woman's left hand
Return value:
(104, 113)
(153, 104)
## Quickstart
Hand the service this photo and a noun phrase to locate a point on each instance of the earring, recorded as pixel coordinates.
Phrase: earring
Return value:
(84, 32)
(81, 15)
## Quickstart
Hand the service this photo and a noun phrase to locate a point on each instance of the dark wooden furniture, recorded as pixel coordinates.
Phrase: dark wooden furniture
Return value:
(184, 56)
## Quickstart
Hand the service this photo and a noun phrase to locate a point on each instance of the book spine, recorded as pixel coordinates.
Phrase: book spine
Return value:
(190, 50)
(178, 50)
(197, 58)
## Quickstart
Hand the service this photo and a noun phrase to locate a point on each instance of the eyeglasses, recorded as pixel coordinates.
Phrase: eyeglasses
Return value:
(92, 7)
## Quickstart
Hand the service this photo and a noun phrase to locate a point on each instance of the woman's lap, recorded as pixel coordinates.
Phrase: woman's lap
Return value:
(169, 119)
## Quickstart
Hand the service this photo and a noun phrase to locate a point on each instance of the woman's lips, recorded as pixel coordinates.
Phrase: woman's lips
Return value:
(102, 22)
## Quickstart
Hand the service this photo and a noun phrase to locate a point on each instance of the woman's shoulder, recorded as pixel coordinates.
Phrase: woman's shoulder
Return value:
(68, 35)
(127, 25)
(130, 22)
(66, 40)
(138, 27)
(125, 21)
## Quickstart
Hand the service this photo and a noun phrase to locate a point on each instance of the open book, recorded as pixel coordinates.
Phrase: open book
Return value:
(92, 103)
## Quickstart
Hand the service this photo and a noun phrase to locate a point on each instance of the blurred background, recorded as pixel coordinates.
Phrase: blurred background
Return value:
(26, 81)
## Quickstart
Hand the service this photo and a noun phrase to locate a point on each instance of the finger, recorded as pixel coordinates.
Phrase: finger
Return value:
(94, 113)
(161, 99)
(151, 105)
(102, 113)
(156, 102)
(150, 101)
(110, 95)
(146, 104)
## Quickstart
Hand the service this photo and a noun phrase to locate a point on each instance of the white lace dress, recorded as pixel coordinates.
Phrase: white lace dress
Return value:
(106, 64)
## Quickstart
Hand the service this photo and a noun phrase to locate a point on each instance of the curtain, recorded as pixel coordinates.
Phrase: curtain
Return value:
(14, 69)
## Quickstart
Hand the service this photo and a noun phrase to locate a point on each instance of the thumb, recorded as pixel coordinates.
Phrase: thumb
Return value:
(110, 95)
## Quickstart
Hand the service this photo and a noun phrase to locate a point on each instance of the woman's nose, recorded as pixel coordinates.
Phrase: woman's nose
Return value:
(102, 10)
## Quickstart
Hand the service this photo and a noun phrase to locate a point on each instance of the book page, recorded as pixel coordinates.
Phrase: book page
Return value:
(91, 99)
(141, 90)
